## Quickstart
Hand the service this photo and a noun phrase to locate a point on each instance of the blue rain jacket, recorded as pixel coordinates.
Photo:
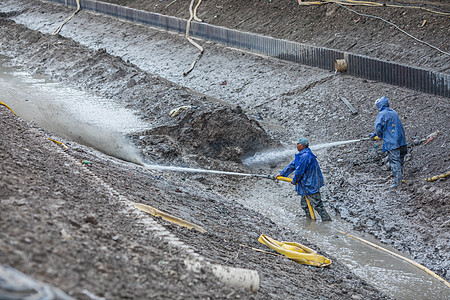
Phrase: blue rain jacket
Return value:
(307, 176)
(389, 127)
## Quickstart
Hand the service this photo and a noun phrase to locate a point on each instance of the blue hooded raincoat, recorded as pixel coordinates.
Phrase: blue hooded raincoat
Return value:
(307, 176)
(389, 127)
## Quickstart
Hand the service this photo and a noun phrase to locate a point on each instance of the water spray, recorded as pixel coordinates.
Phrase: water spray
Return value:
(275, 155)
(258, 158)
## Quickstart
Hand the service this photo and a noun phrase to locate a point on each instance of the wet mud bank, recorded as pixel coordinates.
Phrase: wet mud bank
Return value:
(413, 218)
(356, 29)
(63, 226)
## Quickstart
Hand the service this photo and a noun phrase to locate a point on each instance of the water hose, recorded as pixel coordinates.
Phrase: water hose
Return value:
(399, 256)
(193, 15)
(311, 210)
(59, 143)
(295, 251)
(157, 213)
(58, 29)
(231, 276)
(1, 103)
(437, 177)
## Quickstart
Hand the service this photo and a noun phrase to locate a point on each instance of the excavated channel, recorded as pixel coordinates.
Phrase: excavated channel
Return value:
(231, 84)
(86, 118)
(391, 275)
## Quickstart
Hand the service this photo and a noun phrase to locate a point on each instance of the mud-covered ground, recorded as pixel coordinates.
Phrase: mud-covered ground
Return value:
(50, 232)
(348, 28)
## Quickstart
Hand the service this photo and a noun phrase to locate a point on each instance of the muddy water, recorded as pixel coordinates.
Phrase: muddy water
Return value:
(391, 275)
(77, 115)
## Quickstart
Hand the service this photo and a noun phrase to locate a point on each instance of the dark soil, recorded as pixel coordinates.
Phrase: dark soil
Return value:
(62, 224)
(69, 224)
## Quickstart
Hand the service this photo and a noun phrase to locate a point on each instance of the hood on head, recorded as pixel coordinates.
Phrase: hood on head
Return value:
(381, 103)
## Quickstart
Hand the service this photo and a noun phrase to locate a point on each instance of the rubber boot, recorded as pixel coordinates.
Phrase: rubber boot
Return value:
(324, 215)
(397, 179)
(307, 214)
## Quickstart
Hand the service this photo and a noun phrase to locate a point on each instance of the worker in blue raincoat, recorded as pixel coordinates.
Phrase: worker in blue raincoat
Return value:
(307, 179)
(389, 127)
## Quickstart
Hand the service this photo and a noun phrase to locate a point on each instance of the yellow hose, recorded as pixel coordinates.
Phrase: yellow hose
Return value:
(437, 177)
(59, 143)
(399, 256)
(311, 210)
(1, 103)
(157, 213)
(295, 251)
(281, 178)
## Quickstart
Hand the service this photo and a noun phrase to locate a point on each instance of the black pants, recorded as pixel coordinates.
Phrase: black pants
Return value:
(397, 160)
(317, 204)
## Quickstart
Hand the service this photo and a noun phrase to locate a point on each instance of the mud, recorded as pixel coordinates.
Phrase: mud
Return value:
(204, 134)
(414, 218)
(332, 26)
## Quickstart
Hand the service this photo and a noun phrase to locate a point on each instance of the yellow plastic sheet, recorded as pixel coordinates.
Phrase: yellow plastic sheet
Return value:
(296, 252)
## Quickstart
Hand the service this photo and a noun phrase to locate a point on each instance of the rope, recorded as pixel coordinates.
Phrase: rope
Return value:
(58, 29)
(193, 15)
(435, 10)
(392, 24)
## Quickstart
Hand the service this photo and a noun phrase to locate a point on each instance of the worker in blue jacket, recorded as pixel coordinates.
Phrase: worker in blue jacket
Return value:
(307, 179)
(389, 127)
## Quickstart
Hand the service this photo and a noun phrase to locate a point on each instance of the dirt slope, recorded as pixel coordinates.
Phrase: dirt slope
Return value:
(414, 218)
(61, 224)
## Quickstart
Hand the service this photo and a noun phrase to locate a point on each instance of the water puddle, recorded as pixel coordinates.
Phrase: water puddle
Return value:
(391, 275)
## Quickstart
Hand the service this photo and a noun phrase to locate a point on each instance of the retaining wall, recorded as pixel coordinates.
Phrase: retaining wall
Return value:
(358, 65)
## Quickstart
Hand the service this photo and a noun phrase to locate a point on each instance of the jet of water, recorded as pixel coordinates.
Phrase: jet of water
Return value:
(278, 155)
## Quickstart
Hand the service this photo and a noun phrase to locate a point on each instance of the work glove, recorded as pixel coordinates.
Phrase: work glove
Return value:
(372, 136)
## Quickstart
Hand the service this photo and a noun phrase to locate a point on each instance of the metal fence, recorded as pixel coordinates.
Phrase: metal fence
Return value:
(357, 65)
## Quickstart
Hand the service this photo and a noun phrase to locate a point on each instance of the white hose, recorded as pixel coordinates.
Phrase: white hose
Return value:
(193, 15)
(58, 29)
